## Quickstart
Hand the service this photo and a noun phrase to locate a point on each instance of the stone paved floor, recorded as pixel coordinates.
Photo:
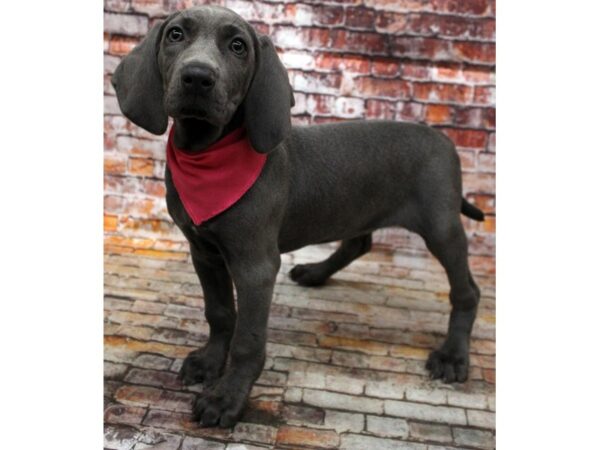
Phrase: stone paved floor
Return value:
(345, 366)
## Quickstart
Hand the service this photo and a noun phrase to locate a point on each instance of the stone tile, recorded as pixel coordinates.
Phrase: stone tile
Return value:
(293, 395)
(430, 432)
(491, 402)
(137, 395)
(195, 443)
(359, 345)
(420, 411)
(254, 433)
(430, 396)
(483, 419)
(114, 371)
(343, 421)
(387, 427)
(244, 447)
(120, 414)
(300, 414)
(474, 438)
(334, 400)
(147, 307)
(361, 442)
(345, 363)
(290, 435)
(118, 437)
(149, 361)
(156, 378)
(390, 387)
(467, 400)
(152, 439)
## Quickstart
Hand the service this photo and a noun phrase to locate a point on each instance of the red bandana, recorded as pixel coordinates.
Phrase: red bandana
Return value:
(210, 181)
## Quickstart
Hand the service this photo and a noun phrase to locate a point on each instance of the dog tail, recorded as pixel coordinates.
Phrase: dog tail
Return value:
(471, 211)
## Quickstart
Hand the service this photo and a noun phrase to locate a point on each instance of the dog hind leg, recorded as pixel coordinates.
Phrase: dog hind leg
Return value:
(316, 274)
(448, 243)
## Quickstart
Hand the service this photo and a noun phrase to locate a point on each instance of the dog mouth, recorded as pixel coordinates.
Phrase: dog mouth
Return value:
(193, 112)
(213, 113)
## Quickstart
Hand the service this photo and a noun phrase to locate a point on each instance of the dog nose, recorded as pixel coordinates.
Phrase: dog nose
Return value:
(198, 77)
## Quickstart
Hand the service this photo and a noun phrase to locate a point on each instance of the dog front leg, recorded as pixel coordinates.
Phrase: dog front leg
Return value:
(254, 280)
(206, 364)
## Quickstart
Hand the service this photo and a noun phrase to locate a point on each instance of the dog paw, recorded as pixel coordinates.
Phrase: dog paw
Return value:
(308, 275)
(451, 366)
(220, 406)
(204, 365)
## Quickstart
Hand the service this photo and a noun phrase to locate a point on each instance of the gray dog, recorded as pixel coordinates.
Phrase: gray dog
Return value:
(208, 69)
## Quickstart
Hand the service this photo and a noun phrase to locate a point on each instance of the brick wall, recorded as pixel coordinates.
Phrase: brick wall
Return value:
(414, 60)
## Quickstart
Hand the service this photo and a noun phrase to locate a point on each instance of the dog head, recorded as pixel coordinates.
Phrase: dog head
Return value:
(203, 65)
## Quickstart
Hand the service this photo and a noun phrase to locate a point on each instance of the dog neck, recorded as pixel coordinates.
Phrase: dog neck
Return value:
(195, 135)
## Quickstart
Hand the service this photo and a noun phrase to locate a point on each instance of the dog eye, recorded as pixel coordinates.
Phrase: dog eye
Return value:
(175, 34)
(237, 46)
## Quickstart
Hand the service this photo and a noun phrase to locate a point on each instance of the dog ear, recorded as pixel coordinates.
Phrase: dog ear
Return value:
(269, 99)
(138, 83)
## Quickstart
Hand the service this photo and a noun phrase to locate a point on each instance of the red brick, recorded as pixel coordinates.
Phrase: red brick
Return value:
(289, 435)
(491, 147)
(260, 27)
(479, 182)
(469, 117)
(455, 93)
(452, 26)
(420, 48)
(489, 118)
(315, 82)
(155, 188)
(409, 111)
(150, 7)
(475, 52)
(121, 45)
(484, 95)
(121, 185)
(390, 22)
(347, 63)
(447, 72)
(128, 241)
(467, 138)
(125, 24)
(487, 162)
(415, 70)
(468, 159)
(399, 5)
(110, 222)
(357, 42)
(115, 164)
(319, 104)
(480, 75)
(360, 18)
(489, 375)
(385, 67)
(377, 87)
(490, 224)
(141, 166)
(381, 109)
(328, 15)
(113, 203)
(437, 114)
(471, 7)
(293, 37)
